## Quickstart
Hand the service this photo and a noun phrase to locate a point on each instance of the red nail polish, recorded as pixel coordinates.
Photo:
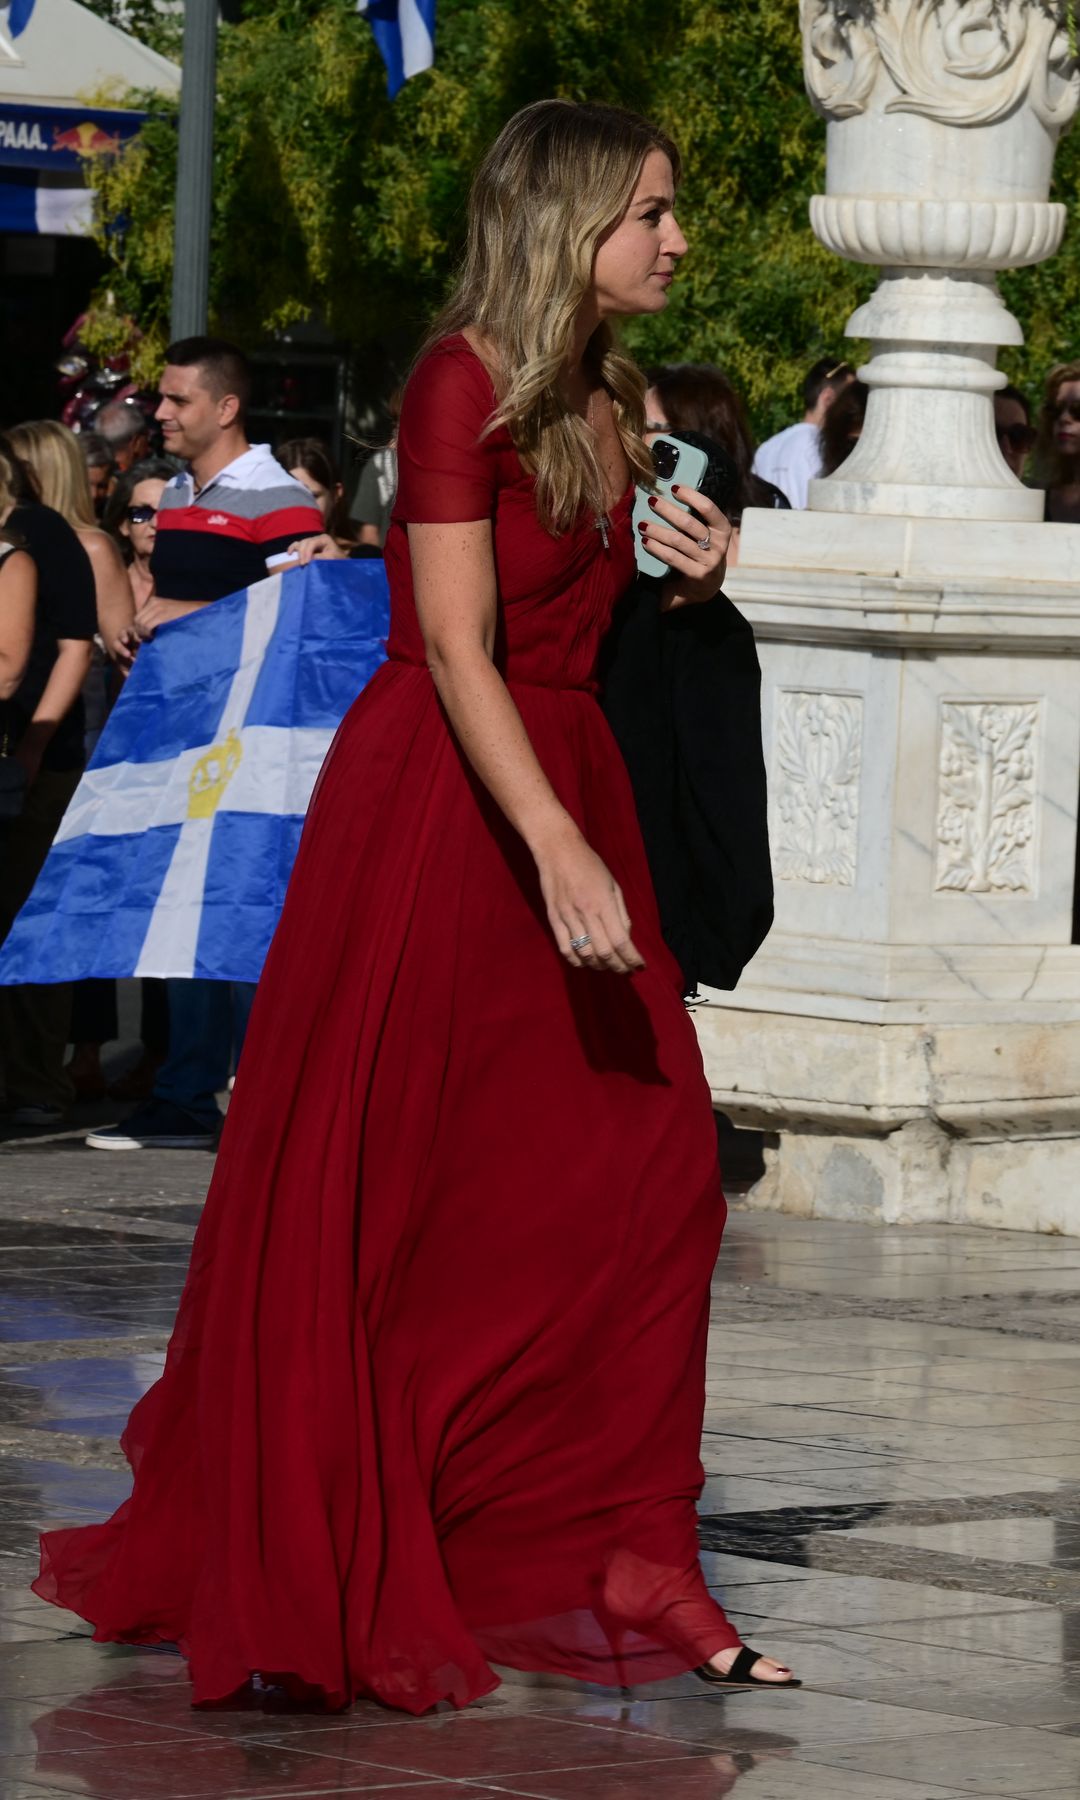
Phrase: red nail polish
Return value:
(675, 488)
(652, 500)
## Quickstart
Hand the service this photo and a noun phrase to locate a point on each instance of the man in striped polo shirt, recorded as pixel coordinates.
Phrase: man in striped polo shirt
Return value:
(234, 505)
(217, 523)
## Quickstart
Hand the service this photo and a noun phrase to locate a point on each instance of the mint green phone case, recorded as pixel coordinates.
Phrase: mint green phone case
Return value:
(689, 471)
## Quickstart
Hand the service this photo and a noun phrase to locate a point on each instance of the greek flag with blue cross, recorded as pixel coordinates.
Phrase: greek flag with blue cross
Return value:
(175, 852)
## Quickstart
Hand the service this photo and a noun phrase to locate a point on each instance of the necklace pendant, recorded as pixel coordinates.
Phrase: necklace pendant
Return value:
(602, 523)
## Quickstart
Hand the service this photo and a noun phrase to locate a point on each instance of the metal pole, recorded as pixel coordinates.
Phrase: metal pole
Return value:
(194, 171)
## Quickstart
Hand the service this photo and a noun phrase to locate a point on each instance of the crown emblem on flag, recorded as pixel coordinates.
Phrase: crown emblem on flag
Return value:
(211, 776)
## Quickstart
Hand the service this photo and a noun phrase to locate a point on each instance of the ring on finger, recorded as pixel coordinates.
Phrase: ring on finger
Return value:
(705, 542)
(579, 943)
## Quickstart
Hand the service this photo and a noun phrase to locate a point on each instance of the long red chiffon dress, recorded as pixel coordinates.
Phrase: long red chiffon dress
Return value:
(434, 1396)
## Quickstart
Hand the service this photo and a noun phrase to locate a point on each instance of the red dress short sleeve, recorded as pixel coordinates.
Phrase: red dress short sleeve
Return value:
(447, 472)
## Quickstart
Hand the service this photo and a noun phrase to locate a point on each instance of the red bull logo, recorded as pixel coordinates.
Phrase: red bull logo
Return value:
(87, 139)
(51, 137)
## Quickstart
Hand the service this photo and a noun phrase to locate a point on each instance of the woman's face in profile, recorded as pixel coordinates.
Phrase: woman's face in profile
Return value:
(636, 259)
(1066, 427)
(323, 497)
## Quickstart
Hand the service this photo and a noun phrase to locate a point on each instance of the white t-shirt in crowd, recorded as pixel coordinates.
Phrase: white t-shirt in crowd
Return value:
(791, 461)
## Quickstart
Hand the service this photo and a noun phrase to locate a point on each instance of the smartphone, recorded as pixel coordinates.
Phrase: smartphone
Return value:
(674, 462)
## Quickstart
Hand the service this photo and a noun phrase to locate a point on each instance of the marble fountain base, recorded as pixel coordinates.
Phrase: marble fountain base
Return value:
(911, 1029)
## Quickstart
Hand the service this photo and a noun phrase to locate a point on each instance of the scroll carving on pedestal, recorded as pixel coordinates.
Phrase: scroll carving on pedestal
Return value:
(816, 786)
(986, 797)
(840, 56)
(961, 62)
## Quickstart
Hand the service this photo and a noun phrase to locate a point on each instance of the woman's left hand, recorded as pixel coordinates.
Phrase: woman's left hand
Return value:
(694, 545)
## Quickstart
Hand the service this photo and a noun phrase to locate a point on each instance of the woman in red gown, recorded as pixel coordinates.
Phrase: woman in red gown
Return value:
(434, 1397)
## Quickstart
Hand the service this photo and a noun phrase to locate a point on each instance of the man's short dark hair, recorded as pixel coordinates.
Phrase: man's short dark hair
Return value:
(825, 373)
(224, 367)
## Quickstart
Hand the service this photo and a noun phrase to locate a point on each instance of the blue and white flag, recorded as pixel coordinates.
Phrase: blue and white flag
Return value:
(15, 16)
(175, 852)
(404, 31)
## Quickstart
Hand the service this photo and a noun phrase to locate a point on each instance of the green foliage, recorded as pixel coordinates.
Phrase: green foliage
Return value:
(332, 203)
(134, 223)
(757, 293)
(1046, 299)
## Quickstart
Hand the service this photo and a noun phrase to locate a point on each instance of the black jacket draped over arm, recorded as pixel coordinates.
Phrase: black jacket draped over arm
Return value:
(682, 693)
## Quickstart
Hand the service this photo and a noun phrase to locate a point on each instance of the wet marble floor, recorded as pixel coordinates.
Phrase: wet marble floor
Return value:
(892, 1504)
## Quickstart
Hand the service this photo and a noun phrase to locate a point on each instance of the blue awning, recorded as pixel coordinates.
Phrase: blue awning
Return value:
(43, 156)
(61, 137)
(48, 137)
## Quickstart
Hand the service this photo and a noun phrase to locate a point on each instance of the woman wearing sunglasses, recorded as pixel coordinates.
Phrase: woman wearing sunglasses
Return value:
(1016, 434)
(131, 517)
(1058, 447)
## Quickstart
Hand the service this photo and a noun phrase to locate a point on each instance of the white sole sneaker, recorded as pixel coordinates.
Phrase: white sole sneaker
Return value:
(111, 1140)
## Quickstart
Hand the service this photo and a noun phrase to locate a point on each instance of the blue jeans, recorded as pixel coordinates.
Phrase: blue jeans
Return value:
(207, 1022)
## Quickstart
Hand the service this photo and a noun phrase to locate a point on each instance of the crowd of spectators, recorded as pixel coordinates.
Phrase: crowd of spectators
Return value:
(80, 588)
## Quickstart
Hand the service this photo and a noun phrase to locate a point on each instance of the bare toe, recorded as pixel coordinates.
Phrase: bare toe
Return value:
(765, 1669)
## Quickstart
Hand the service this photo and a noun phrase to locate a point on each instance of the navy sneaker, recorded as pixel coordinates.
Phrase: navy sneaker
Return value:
(159, 1125)
(38, 1113)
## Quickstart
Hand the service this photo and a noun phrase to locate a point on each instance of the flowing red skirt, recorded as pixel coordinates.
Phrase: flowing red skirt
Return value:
(434, 1396)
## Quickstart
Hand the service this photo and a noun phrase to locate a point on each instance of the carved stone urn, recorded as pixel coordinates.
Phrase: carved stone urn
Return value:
(943, 117)
(909, 1035)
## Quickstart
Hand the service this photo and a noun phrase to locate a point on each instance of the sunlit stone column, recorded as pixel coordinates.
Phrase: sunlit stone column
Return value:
(911, 1029)
(943, 120)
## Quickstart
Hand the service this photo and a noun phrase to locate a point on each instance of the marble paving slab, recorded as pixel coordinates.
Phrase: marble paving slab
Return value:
(1054, 1543)
(892, 1505)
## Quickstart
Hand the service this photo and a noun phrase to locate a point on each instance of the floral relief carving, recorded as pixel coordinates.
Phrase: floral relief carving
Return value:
(816, 785)
(986, 798)
(961, 62)
(840, 56)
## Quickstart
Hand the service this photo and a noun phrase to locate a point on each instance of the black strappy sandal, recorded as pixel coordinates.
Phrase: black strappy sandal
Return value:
(739, 1673)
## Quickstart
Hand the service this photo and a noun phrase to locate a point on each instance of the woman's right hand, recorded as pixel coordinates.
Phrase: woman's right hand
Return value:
(583, 899)
(123, 648)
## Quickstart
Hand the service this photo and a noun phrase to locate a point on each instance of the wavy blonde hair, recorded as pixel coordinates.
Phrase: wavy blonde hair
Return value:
(51, 453)
(12, 483)
(559, 175)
